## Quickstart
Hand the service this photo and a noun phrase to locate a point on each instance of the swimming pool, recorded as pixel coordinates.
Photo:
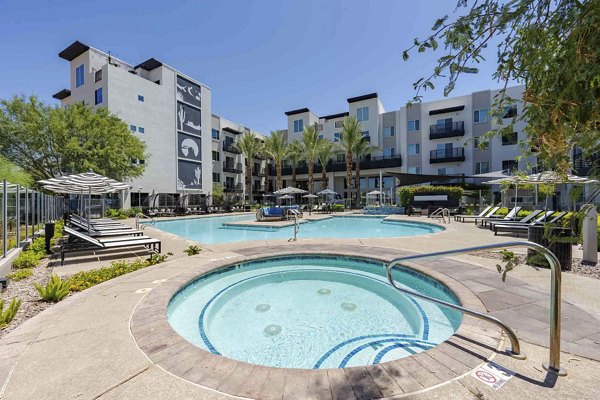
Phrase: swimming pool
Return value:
(212, 230)
(311, 311)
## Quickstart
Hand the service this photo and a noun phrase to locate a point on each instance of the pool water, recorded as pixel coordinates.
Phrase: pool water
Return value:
(212, 230)
(312, 312)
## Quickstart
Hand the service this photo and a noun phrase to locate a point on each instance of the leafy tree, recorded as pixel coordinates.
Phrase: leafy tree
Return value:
(250, 146)
(49, 141)
(14, 174)
(351, 134)
(217, 194)
(294, 156)
(361, 149)
(327, 150)
(552, 46)
(310, 151)
(277, 149)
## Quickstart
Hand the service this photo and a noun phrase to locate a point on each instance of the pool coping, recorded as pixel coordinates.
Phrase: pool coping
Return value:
(472, 344)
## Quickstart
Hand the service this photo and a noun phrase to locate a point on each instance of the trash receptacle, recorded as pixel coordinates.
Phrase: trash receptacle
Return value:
(49, 233)
(562, 249)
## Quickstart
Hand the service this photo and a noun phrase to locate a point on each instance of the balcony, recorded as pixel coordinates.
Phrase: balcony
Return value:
(259, 156)
(230, 148)
(337, 166)
(583, 166)
(235, 188)
(235, 168)
(259, 188)
(447, 130)
(448, 155)
(259, 172)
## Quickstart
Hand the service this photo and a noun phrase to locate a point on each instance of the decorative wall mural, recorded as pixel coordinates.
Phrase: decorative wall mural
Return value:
(189, 147)
(188, 119)
(188, 92)
(190, 175)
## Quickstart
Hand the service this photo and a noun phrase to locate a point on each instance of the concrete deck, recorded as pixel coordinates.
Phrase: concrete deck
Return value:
(83, 347)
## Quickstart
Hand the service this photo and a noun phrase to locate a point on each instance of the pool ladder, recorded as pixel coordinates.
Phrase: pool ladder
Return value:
(295, 213)
(554, 362)
(441, 213)
(137, 220)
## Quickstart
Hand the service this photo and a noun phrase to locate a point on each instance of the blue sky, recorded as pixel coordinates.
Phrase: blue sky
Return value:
(261, 58)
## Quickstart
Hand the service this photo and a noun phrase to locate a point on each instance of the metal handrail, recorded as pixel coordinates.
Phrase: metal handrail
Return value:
(295, 214)
(554, 361)
(137, 220)
(441, 212)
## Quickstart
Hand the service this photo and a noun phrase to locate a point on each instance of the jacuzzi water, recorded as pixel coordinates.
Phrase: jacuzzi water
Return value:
(312, 312)
(214, 229)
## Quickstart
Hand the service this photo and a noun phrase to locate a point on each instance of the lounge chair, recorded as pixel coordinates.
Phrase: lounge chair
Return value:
(520, 227)
(490, 212)
(481, 214)
(512, 215)
(95, 231)
(525, 220)
(270, 213)
(79, 242)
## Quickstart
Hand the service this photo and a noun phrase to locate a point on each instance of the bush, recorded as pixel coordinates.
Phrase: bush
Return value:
(122, 214)
(27, 259)
(338, 207)
(55, 290)
(193, 250)
(20, 274)
(11, 311)
(38, 246)
(407, 193)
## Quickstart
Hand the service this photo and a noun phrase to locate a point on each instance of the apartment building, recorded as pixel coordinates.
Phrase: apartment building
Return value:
(190, 148)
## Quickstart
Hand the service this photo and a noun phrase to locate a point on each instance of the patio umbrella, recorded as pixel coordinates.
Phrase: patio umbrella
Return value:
(310, 198)
(286, 196)
(551, 177)
(89, 182)
(512, 180)
(290, 190)
(373, 193)
(326, 192)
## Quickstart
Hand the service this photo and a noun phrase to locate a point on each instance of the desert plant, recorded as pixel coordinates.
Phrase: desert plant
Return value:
(158, 258)
(55, 290)
(20, 274)
(510, 260)
(193, 250)
(38, 246)
(7, 315)
(26, 259)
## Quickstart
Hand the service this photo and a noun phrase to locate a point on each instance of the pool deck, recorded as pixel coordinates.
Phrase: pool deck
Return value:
(109, 342)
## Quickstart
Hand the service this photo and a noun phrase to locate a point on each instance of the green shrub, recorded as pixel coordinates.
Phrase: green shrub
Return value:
(193, 250)
(406, 193)
(26, 259)
(20, 274)
(158, 258)
(38, 246)
(55, 290)
(11, 311)
(338, 207)
(122, 214)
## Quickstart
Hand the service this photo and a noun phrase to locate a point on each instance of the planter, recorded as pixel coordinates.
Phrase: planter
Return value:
(563, 250)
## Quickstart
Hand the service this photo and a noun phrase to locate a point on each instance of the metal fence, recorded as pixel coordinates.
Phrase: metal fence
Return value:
(24, 213)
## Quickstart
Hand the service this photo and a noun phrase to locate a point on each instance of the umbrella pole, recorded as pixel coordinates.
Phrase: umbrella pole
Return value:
(89, 207)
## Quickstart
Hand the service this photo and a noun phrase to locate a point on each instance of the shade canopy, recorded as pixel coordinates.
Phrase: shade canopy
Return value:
(374, 193)
(310, 196)
(290, 190)
(286, 196)
(542, 178)
(87, 182)
(326, 192)
(491, 175)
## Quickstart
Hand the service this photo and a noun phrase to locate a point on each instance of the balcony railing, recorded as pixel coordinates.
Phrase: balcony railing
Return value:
(377, 162)
(451, 129)
(236, 168)
(259, 172)
(230, 148)
(447, 155)
(236, 187)
(258, 189)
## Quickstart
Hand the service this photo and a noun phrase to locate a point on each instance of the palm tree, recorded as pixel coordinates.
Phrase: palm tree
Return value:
(276, 148)
(310, 147)
(361, 149)
(294, 156)
(250, 146)
(351, 134)
(327, 150)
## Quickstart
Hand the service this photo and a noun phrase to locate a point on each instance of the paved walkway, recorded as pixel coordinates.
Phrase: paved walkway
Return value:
(82, 348)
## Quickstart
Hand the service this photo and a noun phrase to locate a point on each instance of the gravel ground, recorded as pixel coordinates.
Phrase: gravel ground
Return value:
(24, 289)
(590, 271)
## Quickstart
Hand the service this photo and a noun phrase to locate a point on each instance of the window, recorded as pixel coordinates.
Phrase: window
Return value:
(481, 115)
(389, 152)
(338, 124)
(319, 127)
(132, 128)
(482, 167)
(480, 143)
(140, 98)
(511, 139)
(215, 134)
(320, 137)
(98, 76)
(216, 177)
(362, 114)
(365, 135)
(389, 131)
(141, 130)
(141, 162)
(509, 165)
(79, 76)
(413, 125)
(445, 171)
(340, 158)
(337, 136)
(388, 182)
(414, 170)
(414, 149)
(215, 156)
(298, 125)
(510, 111)
(98, 96)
